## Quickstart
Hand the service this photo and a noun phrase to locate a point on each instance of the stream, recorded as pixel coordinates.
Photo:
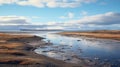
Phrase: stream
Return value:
(77, 49)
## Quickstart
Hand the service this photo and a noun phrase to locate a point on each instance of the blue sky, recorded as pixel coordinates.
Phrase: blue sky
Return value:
(66, 13)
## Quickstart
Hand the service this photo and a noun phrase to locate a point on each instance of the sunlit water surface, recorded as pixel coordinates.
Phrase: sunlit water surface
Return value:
(72, 49)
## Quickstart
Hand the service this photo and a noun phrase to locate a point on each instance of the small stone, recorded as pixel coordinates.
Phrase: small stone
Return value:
(44, 51)
(78, 40)
(68, 59)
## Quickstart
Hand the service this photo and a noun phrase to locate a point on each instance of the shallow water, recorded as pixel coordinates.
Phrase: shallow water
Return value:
(72, 49)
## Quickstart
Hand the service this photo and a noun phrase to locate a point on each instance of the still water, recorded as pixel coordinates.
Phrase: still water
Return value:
(73, 49)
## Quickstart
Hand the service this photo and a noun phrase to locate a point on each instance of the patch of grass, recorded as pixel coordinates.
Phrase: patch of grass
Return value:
(18, 60)
(97, 34)
(12, 52)
(10, 45)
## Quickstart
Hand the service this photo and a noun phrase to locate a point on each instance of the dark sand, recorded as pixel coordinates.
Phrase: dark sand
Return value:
(18, 51)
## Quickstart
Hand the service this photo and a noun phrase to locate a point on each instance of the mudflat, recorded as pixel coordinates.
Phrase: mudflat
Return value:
(106, 34)
(18, 51)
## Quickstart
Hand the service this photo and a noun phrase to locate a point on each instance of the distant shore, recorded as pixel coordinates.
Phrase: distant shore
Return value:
(18, 51)
(105, 34)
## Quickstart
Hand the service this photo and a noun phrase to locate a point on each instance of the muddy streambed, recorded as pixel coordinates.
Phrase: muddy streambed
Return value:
(77, 50)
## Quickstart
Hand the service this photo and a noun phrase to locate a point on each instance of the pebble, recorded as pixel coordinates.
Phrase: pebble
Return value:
(78, 40)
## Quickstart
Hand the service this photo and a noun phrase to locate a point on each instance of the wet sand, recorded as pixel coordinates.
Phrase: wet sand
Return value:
(105, 34)
(18, 51)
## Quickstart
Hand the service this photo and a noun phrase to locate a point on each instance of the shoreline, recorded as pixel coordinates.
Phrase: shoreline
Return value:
(18, 50)
(114, 35)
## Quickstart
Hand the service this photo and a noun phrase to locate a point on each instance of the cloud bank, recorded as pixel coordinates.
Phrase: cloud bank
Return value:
(48, 3)
(69, 16)
(13, 20)
(101, 19)
(109, 20)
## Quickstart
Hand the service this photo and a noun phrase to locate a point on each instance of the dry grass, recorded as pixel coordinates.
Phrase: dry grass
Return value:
(12, 52)
(9, 36)
(18, 60)
(97, 34)
(2, 41)
(10, 45)
(14, 49)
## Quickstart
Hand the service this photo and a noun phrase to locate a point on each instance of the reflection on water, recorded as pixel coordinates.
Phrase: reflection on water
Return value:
(72, 49)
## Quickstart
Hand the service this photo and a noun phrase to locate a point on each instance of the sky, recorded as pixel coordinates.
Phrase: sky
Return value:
(62, 14)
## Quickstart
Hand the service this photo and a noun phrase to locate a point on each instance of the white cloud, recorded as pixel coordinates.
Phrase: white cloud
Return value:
(70, 15)
(109, 20)
(7, 1)
(47, 3)
(36, 3)
(84, 13)
(54, 27)
(13, 20)
(51, 23)
(100, 19)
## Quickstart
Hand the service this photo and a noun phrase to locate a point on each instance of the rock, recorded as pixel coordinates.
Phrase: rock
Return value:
(78, 40)
(68, 59)
(44, 51)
